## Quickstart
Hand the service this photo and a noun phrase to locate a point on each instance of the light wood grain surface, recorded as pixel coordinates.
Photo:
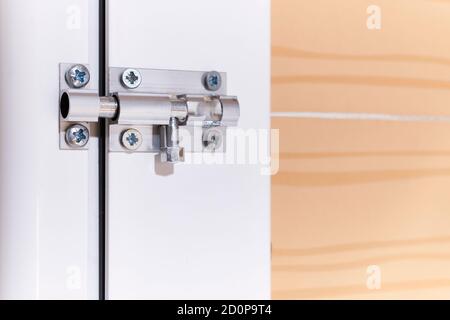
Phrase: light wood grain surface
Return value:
(355, 194)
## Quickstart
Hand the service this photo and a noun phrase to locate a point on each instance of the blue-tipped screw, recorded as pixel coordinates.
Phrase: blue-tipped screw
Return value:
(212, 81)
(77, 136)
(131, 78)
(78, 76)
(131, 139)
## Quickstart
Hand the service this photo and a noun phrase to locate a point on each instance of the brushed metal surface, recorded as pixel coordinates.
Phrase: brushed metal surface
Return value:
(165, 82)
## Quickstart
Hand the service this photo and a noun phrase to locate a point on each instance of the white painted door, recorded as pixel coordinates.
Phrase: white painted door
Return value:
(48, 196)
(204, 231)
(201, 232)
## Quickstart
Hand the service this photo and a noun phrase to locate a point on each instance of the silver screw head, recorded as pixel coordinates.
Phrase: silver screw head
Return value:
(131, 78)
(131, 139)
(212, 140)
(212, 81)
(78, 76)
(77, 135)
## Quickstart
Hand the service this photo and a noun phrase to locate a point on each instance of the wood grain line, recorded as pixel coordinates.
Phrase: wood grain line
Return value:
(317, 293)
(363, 263)
(361, 154)
(348, 247)
(287, 52)
(362, 81)
(334, 178)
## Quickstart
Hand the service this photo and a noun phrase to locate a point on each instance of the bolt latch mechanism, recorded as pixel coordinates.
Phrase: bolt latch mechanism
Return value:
(147, 109)
(170, 142)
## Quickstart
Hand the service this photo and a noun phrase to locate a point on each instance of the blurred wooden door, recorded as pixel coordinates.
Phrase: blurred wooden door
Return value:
(360, 208)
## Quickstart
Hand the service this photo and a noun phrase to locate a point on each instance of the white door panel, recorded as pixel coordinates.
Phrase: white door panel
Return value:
(203, 232)
(48, 197)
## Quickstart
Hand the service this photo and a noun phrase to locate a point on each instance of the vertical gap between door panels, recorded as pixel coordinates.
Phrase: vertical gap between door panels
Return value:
(102, 151)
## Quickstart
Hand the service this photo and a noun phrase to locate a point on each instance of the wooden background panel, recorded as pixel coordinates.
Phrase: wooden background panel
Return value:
(354, 194)
(326, 59)
(351, 194)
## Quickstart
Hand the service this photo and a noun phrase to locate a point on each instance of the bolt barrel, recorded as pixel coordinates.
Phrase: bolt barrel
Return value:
(82, 106)
(108, 108)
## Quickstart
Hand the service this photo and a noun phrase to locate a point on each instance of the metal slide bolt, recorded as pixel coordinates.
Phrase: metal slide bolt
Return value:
(77, 135)
(131, 78)
(212, 81)
(78, 76)
(131, 139)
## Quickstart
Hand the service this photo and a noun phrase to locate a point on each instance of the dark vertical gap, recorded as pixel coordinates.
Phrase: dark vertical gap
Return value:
(102, 153)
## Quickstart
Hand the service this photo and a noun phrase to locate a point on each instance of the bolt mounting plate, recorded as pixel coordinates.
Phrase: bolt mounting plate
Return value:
(174, 82)
(190, 139)
(64, 125)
